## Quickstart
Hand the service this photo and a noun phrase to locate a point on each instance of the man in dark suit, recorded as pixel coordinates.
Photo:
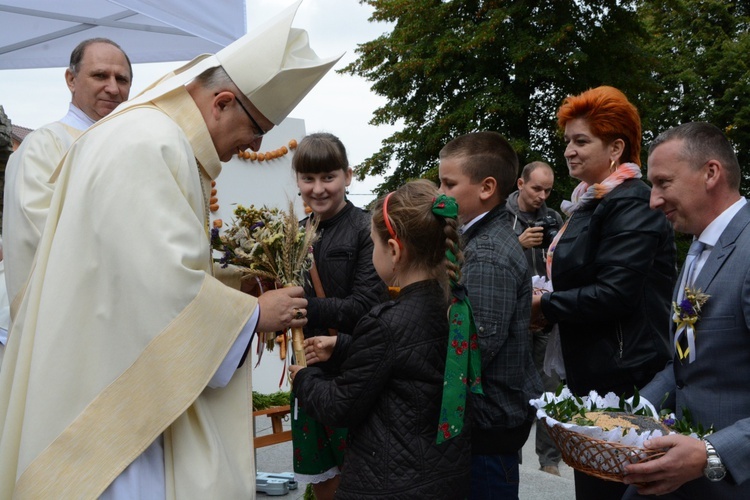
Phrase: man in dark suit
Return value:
(696, 179)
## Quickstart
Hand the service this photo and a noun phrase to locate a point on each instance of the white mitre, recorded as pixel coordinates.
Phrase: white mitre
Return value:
(274, 67)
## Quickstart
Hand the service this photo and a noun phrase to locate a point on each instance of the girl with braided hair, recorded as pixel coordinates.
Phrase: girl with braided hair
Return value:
(405, 372)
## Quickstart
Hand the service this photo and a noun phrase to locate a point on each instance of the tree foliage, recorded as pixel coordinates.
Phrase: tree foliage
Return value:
(702, 69)
(451, 67)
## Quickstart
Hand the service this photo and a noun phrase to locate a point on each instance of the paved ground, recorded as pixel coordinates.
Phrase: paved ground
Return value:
(535, 484)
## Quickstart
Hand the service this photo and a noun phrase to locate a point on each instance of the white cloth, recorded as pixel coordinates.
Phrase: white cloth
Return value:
(553, 357)
(4, 313)
(28, 192)
(122, 327)
(473, 221)
(77, 119)
(4, 307)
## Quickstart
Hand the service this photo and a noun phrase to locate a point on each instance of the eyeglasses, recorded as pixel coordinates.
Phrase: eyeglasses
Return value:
(255, 124)
(261, 132)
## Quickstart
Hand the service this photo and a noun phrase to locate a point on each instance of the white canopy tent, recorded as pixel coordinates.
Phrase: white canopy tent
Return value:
(42, 33)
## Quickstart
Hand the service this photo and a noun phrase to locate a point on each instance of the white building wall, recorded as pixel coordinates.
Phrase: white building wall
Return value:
(270, 183)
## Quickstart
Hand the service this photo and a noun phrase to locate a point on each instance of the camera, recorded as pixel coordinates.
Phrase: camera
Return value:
(549, 226)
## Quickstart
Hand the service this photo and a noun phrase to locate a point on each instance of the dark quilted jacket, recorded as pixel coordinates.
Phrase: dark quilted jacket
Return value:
(343, 256)
(388, 394)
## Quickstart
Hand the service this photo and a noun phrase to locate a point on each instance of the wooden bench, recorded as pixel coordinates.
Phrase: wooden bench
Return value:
(278, 434)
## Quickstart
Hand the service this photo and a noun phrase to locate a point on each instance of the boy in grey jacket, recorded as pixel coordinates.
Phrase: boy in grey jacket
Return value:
(479, 170)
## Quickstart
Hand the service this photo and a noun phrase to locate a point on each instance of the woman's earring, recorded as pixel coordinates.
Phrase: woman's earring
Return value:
(612, 167)
(299, 193)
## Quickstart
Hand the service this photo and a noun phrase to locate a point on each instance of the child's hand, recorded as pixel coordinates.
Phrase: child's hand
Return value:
(319, 349)
(293, 369)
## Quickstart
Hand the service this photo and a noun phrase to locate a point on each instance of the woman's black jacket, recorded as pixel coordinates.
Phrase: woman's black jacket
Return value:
(613, 272)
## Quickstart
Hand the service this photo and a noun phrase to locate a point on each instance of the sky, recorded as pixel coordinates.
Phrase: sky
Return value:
(340, 104)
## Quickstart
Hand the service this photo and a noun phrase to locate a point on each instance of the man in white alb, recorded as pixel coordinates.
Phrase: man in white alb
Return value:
(99, 79)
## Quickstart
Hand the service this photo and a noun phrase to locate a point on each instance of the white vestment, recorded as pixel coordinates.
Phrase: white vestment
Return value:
(27, 196)
(122, 326)
(28, 193)
(4, 312)
(26, 201)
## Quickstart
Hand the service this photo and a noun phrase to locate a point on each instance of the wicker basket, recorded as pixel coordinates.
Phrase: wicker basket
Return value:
(595, 457)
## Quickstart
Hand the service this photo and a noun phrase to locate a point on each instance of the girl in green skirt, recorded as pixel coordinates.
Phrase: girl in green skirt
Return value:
(342, 288)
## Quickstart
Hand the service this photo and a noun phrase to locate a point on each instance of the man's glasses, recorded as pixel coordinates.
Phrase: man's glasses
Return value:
(260, 130)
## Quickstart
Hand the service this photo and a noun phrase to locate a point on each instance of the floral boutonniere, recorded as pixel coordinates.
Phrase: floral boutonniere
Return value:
(686, 315)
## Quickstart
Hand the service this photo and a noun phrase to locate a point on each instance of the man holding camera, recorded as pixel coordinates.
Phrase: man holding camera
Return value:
(536, 225)
(533, 222)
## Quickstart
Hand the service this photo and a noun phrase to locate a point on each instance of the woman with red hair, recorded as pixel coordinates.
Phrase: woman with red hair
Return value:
(612, 264)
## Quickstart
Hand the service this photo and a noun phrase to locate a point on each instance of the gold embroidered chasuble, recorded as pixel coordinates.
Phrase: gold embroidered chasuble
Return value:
(122, 324)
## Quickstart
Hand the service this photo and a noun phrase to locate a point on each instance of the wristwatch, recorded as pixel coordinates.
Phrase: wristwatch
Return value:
(715, 470)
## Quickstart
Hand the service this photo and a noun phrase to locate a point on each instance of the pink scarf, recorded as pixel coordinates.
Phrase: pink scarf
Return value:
(584, 193)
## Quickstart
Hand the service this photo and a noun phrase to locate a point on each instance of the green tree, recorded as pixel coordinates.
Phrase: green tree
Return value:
(702, 68)
(452, 67)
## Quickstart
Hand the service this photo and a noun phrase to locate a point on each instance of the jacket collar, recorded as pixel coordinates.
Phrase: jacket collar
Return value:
(333, 220)
(724, 247)
(497, 211)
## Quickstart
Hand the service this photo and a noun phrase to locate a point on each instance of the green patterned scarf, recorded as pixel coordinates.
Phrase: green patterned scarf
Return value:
(462, 363)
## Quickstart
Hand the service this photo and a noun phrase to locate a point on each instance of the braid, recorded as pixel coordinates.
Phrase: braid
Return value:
(452, 244)
(423, 223)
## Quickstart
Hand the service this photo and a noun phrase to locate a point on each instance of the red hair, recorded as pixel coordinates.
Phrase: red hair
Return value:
(609, 115)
